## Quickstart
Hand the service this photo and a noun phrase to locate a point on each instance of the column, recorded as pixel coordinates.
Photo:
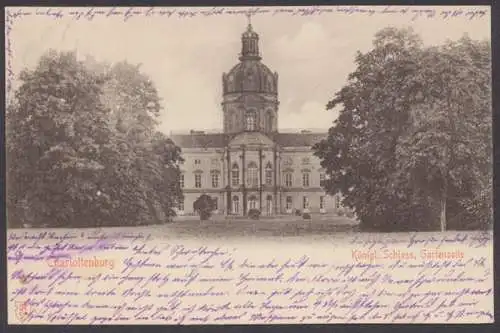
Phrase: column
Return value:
(228, 186)
(260, 178)
(276, 209)
(243, 180)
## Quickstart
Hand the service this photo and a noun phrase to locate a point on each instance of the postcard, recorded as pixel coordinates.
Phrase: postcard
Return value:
(249, 165)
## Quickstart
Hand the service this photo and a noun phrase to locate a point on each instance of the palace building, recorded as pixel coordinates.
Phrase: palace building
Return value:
(251, 164)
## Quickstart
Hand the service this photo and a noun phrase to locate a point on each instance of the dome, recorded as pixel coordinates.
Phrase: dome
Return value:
(250, 76)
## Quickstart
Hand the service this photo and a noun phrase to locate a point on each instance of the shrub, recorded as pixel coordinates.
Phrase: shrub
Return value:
(306, 216)
(254, 214)
(204, 206)
(298, 212)
(349, 214)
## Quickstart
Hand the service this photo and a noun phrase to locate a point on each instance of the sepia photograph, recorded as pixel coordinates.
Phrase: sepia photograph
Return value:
(139, 138)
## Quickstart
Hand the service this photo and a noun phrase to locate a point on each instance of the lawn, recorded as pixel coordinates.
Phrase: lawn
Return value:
(221, 226)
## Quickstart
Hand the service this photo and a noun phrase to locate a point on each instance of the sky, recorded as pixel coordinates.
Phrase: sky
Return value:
(185, 57)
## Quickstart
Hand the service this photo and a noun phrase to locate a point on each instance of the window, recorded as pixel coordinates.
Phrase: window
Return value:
(214, 162)
(197, 180)
(269, 121)
(269, 174)
(288, 179)
(181, 180)
(253, 177)
(215, 179)
(321, 202)
(197, 162)
(236, 205)
(250, 121)
(305, 203)
(288, 203)
(252, 202)
(269, 201)
(180, 206)
(306, 161)
(336, 202)
(305, 179)
(322, 179)
(235, 175)
(269, 177)
(216, 203)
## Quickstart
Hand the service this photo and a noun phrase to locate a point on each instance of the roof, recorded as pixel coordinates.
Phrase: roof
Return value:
(220, 140)
(299, 139)
(250, 75)
(199, 140)
(251, 138)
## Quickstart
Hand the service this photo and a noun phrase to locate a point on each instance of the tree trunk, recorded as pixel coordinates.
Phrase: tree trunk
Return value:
(444, 195)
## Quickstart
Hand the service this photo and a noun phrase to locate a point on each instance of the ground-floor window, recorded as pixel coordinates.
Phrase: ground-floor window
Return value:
(252, 202)
(180, 206)
(197, 180)
(321, 202)
(305, 202)
(336, 202)
(269, 205)
(216, 203)
(288, 205)
(236, 205)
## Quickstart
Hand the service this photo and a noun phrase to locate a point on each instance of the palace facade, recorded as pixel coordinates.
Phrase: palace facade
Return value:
(251, 164)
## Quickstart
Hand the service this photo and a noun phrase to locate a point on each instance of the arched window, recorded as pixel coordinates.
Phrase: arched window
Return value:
(250, 121)
(215, 178)
(252, 202)
(305, 178)
(252, 175)
(236, 205)
(269, 205)
(235, 175)
(269, 174)
(269, 121)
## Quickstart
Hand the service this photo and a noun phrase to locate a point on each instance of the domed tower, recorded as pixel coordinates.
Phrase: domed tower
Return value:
(250, 91)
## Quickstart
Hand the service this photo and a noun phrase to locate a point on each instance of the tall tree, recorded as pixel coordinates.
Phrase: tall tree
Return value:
(400, 143)
(147, 161)
(56, 130)
(448, 146)
(82, 148)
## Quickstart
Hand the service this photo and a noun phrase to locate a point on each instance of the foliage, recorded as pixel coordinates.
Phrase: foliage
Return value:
(298, 212)
(204, 206)
(71, 162)
(145, 159)
(413, 138)
(254, 214)
(306, 216)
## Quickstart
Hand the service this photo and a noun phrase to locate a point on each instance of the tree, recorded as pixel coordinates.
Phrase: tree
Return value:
(83, 149)
(56, 130)
(147, 162)
(447, 147)
(391, 152)
(143, 173)
(204, 206)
